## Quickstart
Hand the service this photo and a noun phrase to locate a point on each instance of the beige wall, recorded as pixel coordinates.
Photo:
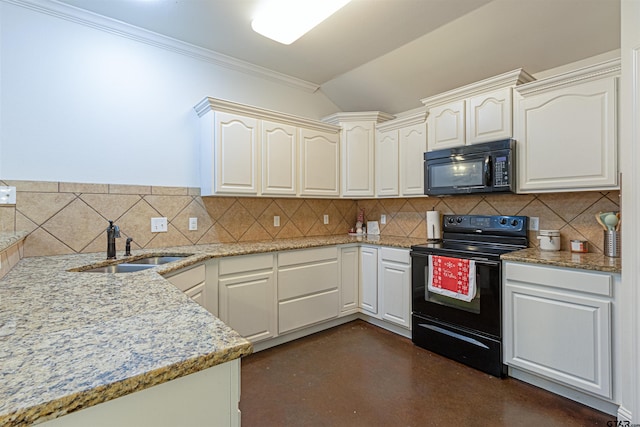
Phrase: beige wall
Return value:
(65, 218)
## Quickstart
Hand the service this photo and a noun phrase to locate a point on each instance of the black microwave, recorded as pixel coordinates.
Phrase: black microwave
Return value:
(478, 168)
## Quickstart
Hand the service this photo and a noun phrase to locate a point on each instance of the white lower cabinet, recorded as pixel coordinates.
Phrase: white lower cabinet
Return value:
(349, 276)
(368, 301)
(394, 281)
(209, 397)
(558, 325)
(308, 287)
(247, 295)
(198, 282)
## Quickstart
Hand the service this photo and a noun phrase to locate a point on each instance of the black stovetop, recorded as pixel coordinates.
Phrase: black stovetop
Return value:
(479, 235)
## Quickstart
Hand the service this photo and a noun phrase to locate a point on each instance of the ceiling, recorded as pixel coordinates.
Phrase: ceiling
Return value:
(388, 54)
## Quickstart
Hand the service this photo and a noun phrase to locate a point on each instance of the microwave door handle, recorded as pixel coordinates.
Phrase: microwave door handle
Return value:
(487, 171)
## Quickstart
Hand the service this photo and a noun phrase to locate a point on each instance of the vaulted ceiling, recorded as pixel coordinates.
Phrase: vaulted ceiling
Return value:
(388, 54)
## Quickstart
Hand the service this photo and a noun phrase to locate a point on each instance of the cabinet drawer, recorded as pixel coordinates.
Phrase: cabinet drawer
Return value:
(307, 256)
(187, 279)
(562, 278)
(307, 310)
(396, 255)
(307, 279)
(242, 264)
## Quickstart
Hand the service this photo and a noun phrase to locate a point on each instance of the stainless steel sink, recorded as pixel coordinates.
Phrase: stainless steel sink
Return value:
(157, 260)
(120, 268)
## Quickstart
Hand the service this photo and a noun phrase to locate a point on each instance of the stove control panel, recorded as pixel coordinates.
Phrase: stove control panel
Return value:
(494, 224)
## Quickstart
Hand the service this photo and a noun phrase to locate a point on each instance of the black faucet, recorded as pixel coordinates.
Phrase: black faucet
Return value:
(127, 247)
(113, 232)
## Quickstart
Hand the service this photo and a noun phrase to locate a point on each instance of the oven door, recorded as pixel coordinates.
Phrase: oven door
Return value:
(481, 314)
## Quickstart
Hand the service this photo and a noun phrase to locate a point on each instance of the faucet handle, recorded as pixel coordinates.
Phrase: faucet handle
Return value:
(116, 231)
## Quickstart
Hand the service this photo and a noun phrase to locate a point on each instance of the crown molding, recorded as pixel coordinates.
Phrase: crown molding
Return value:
(214, 104)
(609, 68)
(403, 120)
(508, 79)
(358, 116)
(122, 29)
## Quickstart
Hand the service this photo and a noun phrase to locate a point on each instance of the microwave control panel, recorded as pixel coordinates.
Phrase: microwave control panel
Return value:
(501, 171)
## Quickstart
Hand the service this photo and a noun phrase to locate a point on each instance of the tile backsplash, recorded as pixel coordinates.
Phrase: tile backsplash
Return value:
(571, 213)
(65, 218)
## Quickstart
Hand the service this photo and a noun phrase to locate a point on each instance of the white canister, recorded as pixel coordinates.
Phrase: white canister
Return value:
(549, 240)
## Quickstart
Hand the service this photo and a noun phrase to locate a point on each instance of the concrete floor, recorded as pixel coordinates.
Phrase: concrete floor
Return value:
(360, 375)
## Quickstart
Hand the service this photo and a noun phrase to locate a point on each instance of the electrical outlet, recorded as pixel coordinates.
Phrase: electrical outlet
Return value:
(383, 219)
(326, 219)
(7, 195)
(534, 223)
(193, 224)
(276, 221)
(159, 225)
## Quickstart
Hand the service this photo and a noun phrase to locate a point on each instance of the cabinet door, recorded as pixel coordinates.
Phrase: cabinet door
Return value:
(192, 281)
(489, 116)
(278, 159)
(236, 154)
(563, 336)
(413, 144)
(567, 138)
(319, 160)
(395, 286)
(447, 126)
(247, 304)
(387, 162)
(349, 268)
(198, 294)
(369, 280)
(357, 143)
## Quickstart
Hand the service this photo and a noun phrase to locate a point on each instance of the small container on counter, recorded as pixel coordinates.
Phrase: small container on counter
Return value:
(549, 240)
(579, 246)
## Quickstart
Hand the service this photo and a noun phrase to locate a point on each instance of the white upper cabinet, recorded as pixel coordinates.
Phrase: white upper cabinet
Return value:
(479, 112)
(357, 153)
(566, 130)
(319, 163)
(250, 151)
(400, 147)
(357, 159)
(229, 160)
(413, 144)
(447, 125)
(490, 117)
(279, 161)
(387, 163)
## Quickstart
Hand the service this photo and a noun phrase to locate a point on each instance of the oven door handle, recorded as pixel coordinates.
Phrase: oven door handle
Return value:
(478, 260)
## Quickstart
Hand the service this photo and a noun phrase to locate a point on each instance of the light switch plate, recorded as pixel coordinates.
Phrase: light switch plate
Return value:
(276, 221)
(326, 219)
(159, 225)
(534, 223)
(383, 219)
(193, 224)
(7, 195)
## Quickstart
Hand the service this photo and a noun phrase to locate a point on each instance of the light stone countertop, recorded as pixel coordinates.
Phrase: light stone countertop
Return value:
(586, 261)
(7, 239)
(70, 340)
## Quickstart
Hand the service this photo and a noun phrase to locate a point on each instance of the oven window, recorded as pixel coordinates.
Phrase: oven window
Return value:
(472, 306)
(457, 174)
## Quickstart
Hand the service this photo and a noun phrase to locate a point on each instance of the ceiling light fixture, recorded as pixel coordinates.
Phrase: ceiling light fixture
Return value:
(285, 21)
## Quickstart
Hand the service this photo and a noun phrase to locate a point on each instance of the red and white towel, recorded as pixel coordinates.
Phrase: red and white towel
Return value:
(452, 277)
